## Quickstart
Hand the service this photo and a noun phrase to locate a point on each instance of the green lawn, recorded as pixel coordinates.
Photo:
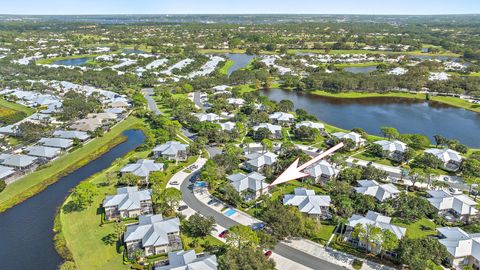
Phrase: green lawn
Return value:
(421, 228)
(187, 242)
(457, 102)
(287, 188)
(326, 231)
(367, 95)
(369, 157)
(15, 107)
(35, 182)
(445, 53)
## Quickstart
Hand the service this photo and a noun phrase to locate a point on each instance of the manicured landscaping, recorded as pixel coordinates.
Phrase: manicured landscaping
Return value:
(367, 95)
(457, 102)
(7, 105)
(224, 70)
(35, 182)
(419, 229)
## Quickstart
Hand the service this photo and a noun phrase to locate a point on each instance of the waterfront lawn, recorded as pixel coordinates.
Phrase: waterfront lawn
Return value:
(7, 105)
(367, 95)
(224, 70)
(419, 229)
(369, 157)
(457, 102)
(35, 182)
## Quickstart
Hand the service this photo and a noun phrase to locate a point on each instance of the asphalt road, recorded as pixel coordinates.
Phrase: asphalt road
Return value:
(281, 249)
(152, 105)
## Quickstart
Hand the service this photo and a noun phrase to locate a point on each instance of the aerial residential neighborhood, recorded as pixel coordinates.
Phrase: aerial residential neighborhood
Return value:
(239, 136)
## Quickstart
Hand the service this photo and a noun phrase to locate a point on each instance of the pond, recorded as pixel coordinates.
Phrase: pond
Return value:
(355, 70)
(72, 62)
(26, 229)
(241, 60)
(407, 115)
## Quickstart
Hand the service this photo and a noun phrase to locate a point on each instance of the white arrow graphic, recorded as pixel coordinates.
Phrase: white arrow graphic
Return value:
(295, 172)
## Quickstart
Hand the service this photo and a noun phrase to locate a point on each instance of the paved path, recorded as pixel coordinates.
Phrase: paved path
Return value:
(152, 105)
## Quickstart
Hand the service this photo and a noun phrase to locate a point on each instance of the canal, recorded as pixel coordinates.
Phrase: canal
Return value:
(407, 115)
(26, 229)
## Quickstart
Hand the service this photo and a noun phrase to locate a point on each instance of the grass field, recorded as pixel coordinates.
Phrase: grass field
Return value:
(367, 95)
(457, 102)
(419, 229)
(35, 182)
(7, 106)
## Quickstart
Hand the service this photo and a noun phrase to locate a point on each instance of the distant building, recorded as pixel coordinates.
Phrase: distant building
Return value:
(188, 260)
(307, 202)
(311, 124)
(355, 137)
(258, 161)
(128, 203)
(56, 142)
(153, 235)
(393, 149)
(281, 118)
(71, 134)
(275, 130)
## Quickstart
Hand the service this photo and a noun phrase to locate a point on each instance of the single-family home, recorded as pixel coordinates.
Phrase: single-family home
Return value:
(281, 118)
(57, 142)
(453, 207)
(309, 203)
(153, 235)
(463, 248)
(171, 150)
(142, 168)
(451, 159)
(189, 260)
(87, 125)
(321, 171)
(129, 202)
(207, 117)
(42, 151)
(236, 101)
(71, 134)
(221, 88)
(311, 124)
(103, 116)
(258, 161)
(381, 192)
(250, 185)
(393, 149)
(228, 126)
(355, 137)
(373, 219)
(21, 162)
(275, 130)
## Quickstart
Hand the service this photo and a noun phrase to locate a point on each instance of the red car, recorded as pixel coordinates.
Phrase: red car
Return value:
(223, 234)
(268, 253)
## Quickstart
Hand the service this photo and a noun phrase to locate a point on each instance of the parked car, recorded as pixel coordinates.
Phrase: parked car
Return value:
(174, 183)
(455, 191)
(268, 253)
(223, 234)
(182, 207)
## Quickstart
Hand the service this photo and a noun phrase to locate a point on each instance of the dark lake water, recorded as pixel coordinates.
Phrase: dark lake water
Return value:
(241, 60)
(367, 69)
(407, 115)
(26, 229)
(72, 62)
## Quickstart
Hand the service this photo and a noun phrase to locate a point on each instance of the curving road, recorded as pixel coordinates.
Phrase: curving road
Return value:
(224, 221)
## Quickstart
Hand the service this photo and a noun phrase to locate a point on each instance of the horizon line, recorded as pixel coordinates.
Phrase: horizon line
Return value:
(238, 14)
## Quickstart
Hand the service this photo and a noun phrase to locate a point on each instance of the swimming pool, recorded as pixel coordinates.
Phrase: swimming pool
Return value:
(229, 212)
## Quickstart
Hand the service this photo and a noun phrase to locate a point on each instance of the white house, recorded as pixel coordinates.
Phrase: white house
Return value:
(309, 203)
(381, 192)
(453, 207)
(393, 149)
(463, 248)
(171, 150)
(321, 171)
(311, 124)
(142, 168)
(275, 130)
(129, 202)
(188, 260)
(451, 159)
(258, 161)
(253, 184)
(355, 137)
(377, 220)
(281, 118)
(207, 117)
(154, 235)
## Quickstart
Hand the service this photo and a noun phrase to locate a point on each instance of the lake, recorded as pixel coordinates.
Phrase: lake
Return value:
(355, 70)
(407, 115)
(72, 62)
(241, 60)
(26, 229)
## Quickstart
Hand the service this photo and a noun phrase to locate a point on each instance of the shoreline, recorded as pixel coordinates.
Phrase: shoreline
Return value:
(36, 181)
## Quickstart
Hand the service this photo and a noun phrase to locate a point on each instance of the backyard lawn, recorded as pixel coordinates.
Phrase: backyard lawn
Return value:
(421, 228)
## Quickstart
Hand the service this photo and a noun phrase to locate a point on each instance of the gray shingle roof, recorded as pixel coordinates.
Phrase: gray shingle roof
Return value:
(152, 230)
(142, 168)
(128, 198)
(20, 161)
(170, 148)
(42, 151)
(253, 181)
(188, 260)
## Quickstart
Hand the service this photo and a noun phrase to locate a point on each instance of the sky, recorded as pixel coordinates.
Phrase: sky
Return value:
(67, 7)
